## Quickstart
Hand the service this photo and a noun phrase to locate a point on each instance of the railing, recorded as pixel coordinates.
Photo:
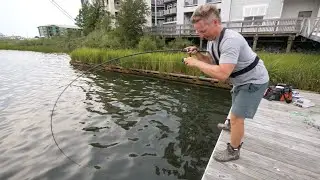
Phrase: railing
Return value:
(159, 14)
(316, 28)
(159, 2)
(267, 26)
(166, 1)
(170, 11)
(310, 27)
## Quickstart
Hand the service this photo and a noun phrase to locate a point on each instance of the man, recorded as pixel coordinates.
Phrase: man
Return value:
(230, 57)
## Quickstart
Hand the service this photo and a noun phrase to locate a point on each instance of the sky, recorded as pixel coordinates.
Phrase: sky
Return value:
(22, 17)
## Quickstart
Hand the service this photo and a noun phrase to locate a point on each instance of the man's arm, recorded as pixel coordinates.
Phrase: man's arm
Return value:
(204, 58)
(229, 58)
(220, 72)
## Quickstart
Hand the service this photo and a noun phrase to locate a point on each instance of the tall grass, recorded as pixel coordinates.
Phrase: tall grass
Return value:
(300, 70)
(162, 62)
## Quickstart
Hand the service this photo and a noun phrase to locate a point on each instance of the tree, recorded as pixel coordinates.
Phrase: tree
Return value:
(93, 16)
(104, 22)
(131, 19)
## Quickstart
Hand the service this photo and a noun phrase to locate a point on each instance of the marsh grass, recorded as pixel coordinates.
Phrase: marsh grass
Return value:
(300, 70)
(54, 45)
(162, 62)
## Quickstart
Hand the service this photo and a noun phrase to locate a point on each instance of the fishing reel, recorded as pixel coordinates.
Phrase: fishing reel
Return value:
(183, 58)
(184, 50)
(198, 50)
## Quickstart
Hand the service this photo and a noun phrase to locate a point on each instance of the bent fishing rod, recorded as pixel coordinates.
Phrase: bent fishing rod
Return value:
(90, 69)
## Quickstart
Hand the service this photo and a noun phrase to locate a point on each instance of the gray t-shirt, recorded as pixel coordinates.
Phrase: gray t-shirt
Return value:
(235, 49)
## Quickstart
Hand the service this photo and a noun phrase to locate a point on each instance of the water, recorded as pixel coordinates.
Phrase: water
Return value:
(115, 126)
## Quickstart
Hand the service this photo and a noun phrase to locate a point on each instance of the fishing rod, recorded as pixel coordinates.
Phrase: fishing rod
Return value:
(90, 69)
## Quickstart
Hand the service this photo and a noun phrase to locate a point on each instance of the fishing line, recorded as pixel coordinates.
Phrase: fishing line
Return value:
(90, 69)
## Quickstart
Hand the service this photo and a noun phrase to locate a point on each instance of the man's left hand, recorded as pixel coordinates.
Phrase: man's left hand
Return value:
(191, 61)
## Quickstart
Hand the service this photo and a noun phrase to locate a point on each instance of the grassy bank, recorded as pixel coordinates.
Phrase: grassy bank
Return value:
(54, 45)
(163, 62)
(297, 69)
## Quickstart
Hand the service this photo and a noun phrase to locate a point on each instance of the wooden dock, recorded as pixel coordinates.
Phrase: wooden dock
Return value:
(281, 142)
(288, 28)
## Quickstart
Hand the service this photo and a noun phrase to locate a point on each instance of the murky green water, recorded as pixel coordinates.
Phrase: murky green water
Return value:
(115, 126)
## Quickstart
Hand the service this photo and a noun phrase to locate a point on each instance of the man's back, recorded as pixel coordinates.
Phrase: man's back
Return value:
(235, 49)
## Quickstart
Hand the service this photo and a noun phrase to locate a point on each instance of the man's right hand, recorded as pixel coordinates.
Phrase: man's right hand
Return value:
(192, 50)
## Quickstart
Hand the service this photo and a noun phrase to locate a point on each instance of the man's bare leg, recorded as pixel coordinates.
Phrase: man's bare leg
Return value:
(237, 130)
(232, 152)
(226, 124)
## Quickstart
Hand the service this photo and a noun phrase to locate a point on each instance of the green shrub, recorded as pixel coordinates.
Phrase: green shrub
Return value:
(179, 43)
(147, 44)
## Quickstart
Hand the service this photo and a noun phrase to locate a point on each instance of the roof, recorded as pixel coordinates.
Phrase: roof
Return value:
(62, 26)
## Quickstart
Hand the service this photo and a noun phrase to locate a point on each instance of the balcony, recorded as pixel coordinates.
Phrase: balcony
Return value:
(159, 14)
(170, 20)
(170, 11)
(214, 1)
(265, 27)
(188, 3)
(159, 3)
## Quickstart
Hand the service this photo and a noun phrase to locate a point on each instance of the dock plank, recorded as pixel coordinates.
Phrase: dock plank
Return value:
(285, 140)
(278, 144)
(258, 166)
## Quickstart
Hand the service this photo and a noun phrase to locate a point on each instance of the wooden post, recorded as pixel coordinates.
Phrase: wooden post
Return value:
(275, 26)
(201, 43)
(289, 44)
(255, 42)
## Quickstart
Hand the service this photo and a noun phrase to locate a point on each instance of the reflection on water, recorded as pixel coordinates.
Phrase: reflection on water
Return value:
(125, 127)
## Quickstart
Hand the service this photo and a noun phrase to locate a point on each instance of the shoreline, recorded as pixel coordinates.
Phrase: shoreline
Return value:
(176, 77)
(295, 69)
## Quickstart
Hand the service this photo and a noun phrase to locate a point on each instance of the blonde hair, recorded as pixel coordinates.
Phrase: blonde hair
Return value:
(206, 12)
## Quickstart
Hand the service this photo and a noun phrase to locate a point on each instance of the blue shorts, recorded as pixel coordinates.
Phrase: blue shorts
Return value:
(246, 99)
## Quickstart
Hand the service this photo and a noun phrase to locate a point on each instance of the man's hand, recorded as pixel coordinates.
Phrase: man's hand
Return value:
(190, 61)
(192, 50)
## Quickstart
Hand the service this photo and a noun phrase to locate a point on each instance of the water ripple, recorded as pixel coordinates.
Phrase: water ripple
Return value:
(120, 126)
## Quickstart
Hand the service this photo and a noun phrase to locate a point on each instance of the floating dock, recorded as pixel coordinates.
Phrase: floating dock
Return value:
(281, 142)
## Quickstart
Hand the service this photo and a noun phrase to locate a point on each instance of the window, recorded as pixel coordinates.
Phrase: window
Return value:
(305, 14)
(255, 10)
(252, 20)
(253, 13)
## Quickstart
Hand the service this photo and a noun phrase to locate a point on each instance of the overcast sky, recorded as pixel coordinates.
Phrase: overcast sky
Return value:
(22, 17)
